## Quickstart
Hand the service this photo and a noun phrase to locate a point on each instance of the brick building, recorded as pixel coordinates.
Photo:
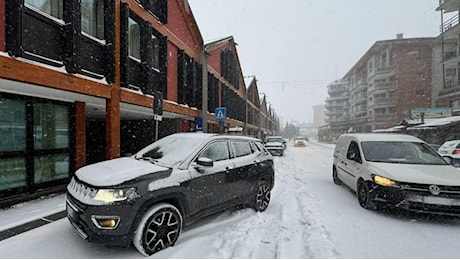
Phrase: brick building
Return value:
(379, 91)
(78, 80)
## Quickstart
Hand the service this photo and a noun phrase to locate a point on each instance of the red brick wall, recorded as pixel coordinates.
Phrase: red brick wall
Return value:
(410, 66)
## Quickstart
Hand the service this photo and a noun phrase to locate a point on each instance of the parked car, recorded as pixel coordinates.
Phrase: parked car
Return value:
(300, 141)
(275, 145)
(451, 150)
(396, 170)
(146, 199)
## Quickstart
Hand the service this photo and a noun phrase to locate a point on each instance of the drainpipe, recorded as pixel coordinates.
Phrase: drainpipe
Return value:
(204, 89)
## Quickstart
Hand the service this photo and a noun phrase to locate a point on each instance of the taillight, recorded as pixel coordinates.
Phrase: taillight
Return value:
(456, 151)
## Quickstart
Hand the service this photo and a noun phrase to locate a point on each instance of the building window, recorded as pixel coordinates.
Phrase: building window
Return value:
(50, 7)
(92, 18)
(155, 52)
(51, 126)
(419, 92)
(51, 167)
(13, 133)
(49, 159)
(134, 40)
(451, 72)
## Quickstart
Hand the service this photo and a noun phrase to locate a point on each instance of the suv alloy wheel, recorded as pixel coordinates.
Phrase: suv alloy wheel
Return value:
(158, 229)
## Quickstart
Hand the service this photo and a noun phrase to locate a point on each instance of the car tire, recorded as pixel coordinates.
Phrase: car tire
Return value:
(363, 194)
(262, 196)
(336, 179)
(158, 229)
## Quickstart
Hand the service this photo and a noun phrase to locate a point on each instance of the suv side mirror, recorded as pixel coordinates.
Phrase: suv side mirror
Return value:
(206, 162)
(202, 163)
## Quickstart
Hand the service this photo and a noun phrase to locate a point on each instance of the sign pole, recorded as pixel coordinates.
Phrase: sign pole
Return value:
(156, 130)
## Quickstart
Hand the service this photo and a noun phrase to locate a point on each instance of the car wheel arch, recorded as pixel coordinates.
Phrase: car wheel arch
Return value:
(175, 199)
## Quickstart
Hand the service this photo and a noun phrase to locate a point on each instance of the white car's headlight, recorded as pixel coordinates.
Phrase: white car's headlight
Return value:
(382, 181)
(114, 195)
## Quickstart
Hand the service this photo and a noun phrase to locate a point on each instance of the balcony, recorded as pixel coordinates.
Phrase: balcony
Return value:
(382, 87)
(333, 112)
(384, 69)
(449, 24)
(359, 86)
(329, 99)
(360, 99)
(385, 102)
(384, 117)
(336, 90)
(336, 105)
(450, 86)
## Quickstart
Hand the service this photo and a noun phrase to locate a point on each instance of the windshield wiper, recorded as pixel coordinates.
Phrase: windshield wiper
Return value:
(150, 159)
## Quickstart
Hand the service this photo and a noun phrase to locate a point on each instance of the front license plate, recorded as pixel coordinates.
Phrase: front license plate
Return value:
(435, 200)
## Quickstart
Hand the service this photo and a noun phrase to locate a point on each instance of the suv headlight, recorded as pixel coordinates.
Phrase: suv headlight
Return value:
(114, 195)
(382, 181)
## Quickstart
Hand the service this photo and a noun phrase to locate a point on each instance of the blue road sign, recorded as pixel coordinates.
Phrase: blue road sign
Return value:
(220, 113)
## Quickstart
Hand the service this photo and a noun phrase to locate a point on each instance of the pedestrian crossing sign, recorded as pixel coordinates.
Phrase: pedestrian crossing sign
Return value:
(220, 113)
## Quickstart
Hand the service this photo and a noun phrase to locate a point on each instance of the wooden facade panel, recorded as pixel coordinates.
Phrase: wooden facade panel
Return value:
(13, 69)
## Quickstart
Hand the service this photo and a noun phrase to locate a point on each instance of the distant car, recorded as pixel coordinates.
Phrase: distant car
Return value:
(300, 141)
(451, 149)
(275, 145)
(396, 170)
(146, 199)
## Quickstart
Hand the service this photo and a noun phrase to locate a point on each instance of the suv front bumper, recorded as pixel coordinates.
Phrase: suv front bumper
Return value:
(81, 215)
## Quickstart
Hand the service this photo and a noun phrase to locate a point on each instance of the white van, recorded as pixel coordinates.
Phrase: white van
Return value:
(396, 170)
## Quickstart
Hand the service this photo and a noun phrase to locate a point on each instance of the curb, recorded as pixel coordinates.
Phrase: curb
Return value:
(31, 225)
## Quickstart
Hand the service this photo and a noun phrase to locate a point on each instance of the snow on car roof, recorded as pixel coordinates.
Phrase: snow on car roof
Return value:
(365, 137)
(439, 122)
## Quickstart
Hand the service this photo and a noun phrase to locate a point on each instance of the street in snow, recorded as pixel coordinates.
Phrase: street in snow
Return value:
(308, 217)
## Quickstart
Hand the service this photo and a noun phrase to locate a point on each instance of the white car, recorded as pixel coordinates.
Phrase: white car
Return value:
(451, 149)
(275, 145)
(396, 170)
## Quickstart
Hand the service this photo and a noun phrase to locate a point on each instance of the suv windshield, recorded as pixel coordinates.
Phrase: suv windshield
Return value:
(170, 150)
(275, 139)
(400, 152)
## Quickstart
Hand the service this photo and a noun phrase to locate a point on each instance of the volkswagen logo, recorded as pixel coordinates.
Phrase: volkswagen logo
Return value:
(435, 190)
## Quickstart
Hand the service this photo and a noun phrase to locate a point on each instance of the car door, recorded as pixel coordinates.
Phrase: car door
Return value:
(208, 185)
(351, 165)
(244, 162)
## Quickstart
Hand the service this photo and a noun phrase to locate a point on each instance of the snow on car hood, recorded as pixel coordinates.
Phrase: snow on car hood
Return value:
(116, 171)
(418, 173)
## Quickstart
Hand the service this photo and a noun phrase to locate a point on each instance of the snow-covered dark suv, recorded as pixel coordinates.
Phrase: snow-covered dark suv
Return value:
(147, 198)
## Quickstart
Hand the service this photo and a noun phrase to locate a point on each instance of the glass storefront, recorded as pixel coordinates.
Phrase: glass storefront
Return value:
(35, 142)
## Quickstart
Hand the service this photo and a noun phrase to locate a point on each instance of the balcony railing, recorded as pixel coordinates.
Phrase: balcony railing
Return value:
(450, 23)
(337, 98)
(450, 86)
(333, 112)
(383, 86)
(384, 69)
(388, 101)
(384, 117)
(336, 89)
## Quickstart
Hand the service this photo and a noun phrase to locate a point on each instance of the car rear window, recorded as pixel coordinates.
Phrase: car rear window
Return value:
(242, 148)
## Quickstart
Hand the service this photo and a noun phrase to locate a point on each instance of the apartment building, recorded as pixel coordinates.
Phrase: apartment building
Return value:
(446, 58)
(338, 105)
(379, 91)
(78, 81)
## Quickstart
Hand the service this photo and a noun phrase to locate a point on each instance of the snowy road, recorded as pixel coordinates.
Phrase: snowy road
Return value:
(309, 217)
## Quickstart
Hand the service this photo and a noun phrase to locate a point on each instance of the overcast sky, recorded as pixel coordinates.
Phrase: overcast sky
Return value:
(305, 44)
